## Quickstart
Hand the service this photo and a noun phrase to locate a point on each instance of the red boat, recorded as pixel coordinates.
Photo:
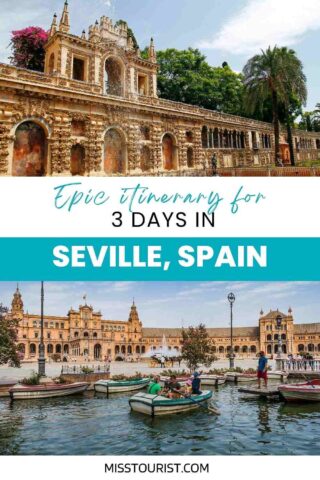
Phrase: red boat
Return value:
(301, 392)
(49, 390)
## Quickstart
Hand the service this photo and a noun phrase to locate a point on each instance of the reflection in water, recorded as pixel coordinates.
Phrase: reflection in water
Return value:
(92, 424)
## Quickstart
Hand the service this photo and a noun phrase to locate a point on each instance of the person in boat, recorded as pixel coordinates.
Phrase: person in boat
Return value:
(262, 369)
(155, 387)
(196, 384)
(172, 387)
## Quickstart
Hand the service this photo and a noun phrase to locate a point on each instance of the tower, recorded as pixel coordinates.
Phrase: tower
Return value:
(152, 56)
(64, 25)
(17, 304)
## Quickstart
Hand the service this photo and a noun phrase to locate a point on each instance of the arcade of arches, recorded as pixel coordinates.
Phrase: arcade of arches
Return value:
(85, 334)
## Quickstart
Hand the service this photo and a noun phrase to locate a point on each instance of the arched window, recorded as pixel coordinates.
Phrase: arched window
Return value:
(97, 351)
(29, 151)
(138, 349)
(114, 77)
(22, 348)
(190, 161)
(283, 336)
(86, 334)
(276, 337)
(310, 347)
(117, 349)
(95, 335)
(49, 348)
(284, 348)
(78, 156)
(76, 334)
(221, 349)
(245, 349)
(129, 350)
(269, 349)
(300, 348)
(204, 137)
(51, 64)
(269, 338)
(237, 349)
(145, 161)
(123, 350)
(32, 349)
(115, 152)
(58, 348)
(253, 349)
(66, 349)
(169, 152)
(143, 349)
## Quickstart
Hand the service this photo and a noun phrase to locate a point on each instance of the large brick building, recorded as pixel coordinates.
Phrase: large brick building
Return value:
(85, 334)
(95, 111)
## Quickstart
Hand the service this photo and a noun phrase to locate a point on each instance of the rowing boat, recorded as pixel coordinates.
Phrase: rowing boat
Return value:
(301, 392)
(277, 375)
(240, 377)
(155, 405)
(214, 380)
(49, 390)
(118, 386)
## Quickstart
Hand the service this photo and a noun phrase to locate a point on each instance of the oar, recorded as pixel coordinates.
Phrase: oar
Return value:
(308, 381)
(206, 407)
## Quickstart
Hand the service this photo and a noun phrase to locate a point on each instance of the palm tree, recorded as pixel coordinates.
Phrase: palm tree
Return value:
(276, 73)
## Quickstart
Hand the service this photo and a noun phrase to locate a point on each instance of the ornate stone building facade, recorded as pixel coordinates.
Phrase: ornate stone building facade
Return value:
(95, 111)
(84, 334)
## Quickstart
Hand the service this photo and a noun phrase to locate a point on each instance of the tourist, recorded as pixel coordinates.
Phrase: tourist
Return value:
(263, 369)
(196, 384)
(162, 361)
(173, 387)
(155, 387)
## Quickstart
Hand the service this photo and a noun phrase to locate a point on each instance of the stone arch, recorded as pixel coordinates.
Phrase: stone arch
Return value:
(169, 152)
(30, 149)
(97, 351)
(78, 158)
(129, 350)
(123, 350)
(253, 349)
(58, 348)
(269, 349)
(269, 338)
(33, 349)
(236, 349)
(143, 349)
(311, 347)
(117, 349)
(283, 336)
(137, 350)
(221, 349)
(49, 348)
(190, 157)
(245, 349)
(145, 159)
(114, 75)
(86, 334)
(22, 348)
(115, 151)
(284, 348)
(66, 349)
(204, 137)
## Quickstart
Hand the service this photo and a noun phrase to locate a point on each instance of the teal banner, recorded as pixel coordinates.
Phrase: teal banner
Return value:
(149, 259)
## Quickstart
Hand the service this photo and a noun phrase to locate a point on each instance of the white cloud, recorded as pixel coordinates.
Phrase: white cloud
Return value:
(266, 22)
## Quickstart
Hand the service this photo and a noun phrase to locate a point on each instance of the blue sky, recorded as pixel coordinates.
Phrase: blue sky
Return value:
(230, 30)
(169, 304)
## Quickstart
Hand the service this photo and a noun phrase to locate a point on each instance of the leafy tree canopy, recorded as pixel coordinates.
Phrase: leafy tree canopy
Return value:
(28, 48)
(8, 337)
(197, 348)
(185, 76)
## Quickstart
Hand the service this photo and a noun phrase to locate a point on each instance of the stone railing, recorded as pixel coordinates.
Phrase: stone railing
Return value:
(269, 172)
(301, 365)
(78, 369)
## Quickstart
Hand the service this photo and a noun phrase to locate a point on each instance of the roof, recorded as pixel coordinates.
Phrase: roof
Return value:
(213, 332)
(273, 314)
(303, 328)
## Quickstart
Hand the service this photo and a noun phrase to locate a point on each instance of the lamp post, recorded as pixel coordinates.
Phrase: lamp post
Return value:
(231, 300)
(41, 359)
(278, 327)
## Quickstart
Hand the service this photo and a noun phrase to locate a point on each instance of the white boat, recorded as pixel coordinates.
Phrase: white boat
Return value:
(155, 405)
(240, 377)
(49, 390)
(301, 392)
(215, 380)
(119, 386)
(277, 375)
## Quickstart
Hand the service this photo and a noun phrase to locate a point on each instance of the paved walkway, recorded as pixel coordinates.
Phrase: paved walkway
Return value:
(54, 369)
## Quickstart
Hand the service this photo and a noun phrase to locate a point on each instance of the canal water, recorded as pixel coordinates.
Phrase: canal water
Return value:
(94, 425)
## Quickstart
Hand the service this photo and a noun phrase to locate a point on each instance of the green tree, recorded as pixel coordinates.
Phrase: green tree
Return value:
(275, 74)
(185, 76)
(8, 337)
(197, 348)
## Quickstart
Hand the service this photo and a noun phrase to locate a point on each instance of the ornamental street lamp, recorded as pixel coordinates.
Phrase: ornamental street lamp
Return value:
(279, 327)
(231, 300)
(41, 359)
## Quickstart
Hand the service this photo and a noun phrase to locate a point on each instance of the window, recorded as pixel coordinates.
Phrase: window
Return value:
(49, 335)
(78, 69)
(36, 334)
(142, 85)
(62, 325)
(61, 336)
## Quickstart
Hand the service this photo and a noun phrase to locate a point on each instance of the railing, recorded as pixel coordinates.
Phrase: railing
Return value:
(80, 369)
(301, 365)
